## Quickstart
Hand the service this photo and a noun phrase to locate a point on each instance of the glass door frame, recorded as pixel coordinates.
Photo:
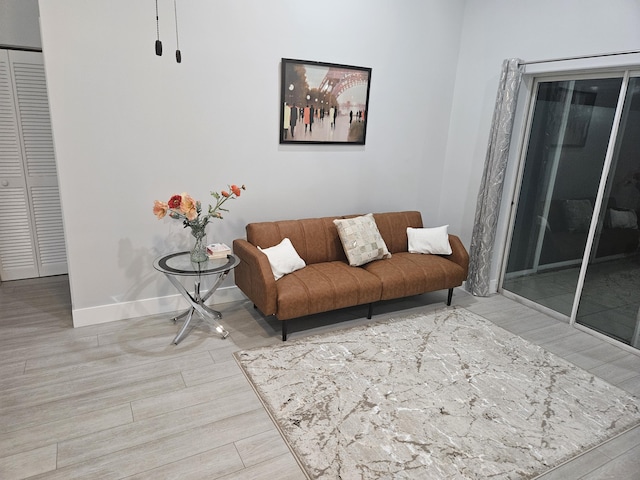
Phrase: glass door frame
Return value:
(528, 112)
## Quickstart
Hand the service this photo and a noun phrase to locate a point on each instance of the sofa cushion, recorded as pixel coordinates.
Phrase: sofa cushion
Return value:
(361, 239)
(429, 240)
(283, 258)
(407, 274)
(321, 287)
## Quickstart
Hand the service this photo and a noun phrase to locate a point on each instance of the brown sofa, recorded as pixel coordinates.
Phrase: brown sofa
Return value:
(328, 282)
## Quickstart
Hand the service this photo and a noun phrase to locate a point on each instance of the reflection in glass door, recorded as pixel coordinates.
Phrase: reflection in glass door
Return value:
(562, 201)
(610, 299)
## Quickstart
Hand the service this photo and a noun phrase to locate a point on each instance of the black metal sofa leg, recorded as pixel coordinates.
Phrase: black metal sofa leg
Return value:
(449, 297)
(284, 330)
(370, 313)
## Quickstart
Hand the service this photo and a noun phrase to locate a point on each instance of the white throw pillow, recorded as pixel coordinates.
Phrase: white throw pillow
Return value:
(429, 240)
(361, 240)
(623, 219)
(283, 258)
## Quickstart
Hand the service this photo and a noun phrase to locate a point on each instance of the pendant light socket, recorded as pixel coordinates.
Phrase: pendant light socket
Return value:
(158, 48)
(178, 56)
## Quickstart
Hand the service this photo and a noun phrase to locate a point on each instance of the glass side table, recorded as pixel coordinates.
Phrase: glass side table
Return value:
(177, 265)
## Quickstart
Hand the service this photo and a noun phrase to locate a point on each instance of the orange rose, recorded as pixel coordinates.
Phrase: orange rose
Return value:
(224, 193)
(160, 209)
(236, 190)
(188, 207)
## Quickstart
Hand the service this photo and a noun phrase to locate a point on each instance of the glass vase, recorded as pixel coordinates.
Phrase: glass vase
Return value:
(199, 250)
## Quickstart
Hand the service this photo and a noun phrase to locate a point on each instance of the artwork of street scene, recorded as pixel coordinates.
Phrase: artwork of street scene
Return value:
(323, 102)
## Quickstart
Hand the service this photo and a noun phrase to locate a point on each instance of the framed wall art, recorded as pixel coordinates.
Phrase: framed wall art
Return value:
(323, 102)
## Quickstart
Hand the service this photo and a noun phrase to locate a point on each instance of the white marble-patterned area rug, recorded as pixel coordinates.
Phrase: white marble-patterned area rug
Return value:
(445, 395)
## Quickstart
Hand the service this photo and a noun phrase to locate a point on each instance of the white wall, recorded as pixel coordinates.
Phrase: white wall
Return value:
(131, 127)
(494, 30)
(19, 25)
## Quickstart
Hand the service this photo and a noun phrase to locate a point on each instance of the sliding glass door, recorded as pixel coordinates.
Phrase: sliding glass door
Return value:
(610, 299)
(574, 240)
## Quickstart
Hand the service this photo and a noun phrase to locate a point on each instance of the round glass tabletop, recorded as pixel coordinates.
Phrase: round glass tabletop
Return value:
(180, 264)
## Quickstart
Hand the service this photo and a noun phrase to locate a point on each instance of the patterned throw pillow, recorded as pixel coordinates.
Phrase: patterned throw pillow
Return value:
(361, 240)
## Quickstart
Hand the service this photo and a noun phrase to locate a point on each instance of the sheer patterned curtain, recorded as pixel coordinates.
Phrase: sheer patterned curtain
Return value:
(490, 194)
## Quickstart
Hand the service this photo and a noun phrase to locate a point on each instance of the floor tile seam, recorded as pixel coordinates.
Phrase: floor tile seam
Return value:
(22, 453)
(513, 325)
(25, 426)
(75, 392)
(589, 370)
(188, 385)
(40, 473)
(144, 336)
(44, 329)
(235, 446)
(622, 449)
(571, 464)
(148, 471)
(67, 419)
(574, 348)
(114, 453)
(603, 466)
(636, 381)
(628, 361)
(601, 377)
(287, 454)
(532, 336)
(89, 363)
(70, 399)
(71, 368)
(182, 391)
(74, 345)
(232, 348)
(610, 379)
(182, 430)
(145, 333)
(57, 453)
(150, 421)
(533, 330)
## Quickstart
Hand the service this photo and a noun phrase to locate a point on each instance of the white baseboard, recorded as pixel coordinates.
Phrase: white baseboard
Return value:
(83, 317)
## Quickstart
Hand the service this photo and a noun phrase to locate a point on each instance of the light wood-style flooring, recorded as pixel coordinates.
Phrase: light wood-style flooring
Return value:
(119, 400)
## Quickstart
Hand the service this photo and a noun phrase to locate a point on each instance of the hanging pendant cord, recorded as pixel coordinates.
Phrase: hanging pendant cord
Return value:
(158, 42)
(178, 53)
(175, 12)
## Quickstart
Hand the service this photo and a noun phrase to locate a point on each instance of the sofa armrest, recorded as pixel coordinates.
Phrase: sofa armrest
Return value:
(459, 253)
(254, 277)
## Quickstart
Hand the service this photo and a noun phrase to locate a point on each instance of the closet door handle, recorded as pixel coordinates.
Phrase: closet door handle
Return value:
(5, 183)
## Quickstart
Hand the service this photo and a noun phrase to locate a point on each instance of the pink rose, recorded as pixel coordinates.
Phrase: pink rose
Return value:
(160, 209)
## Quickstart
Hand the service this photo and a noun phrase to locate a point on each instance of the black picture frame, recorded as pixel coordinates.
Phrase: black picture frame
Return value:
(323, 103)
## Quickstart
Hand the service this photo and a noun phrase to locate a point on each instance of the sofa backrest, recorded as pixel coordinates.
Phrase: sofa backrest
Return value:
(393, 228)
(316, 239)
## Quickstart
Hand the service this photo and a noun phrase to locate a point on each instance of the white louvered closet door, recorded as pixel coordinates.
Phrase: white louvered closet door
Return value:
(31, 234)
